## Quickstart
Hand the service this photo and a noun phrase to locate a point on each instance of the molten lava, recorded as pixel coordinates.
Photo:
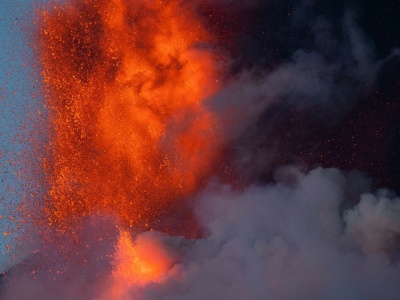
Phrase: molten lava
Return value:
(125, 83)
(140, 262)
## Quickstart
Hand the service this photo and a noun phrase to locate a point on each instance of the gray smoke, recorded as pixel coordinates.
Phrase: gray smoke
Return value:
(317, 81)
(287, 240)
(323, 81)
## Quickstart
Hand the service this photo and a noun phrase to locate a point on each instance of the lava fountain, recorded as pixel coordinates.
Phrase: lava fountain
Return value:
(125, 84)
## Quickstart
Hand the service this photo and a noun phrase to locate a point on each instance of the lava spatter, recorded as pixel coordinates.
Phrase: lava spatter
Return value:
(125, 83)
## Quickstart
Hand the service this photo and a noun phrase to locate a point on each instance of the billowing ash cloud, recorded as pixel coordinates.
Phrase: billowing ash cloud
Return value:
(288, 240)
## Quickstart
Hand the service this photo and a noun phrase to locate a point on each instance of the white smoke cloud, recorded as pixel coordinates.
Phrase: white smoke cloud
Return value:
(374, 224)
(287, 240)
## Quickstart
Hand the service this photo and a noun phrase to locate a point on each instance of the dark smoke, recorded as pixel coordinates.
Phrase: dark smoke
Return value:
(312, 84)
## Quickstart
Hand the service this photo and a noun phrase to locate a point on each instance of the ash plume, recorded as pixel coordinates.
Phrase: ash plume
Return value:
(288, 240)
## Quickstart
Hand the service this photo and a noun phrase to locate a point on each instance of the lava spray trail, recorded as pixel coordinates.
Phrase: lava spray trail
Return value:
(125, 83)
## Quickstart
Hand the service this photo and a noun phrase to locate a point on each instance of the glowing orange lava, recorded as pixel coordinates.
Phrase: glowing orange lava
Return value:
(125, 84)
(140, 262)
(137, 263)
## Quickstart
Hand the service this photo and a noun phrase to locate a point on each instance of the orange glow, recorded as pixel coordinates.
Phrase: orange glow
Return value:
(125, 83)
(140, 262)
(137, 263)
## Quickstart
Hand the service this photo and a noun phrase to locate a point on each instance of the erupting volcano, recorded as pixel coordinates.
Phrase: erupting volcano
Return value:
(126, 83)
(186, 150)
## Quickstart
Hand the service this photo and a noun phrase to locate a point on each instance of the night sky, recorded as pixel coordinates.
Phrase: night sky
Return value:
(363, 134)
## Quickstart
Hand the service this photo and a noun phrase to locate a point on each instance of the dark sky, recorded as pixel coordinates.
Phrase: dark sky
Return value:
(365, 134)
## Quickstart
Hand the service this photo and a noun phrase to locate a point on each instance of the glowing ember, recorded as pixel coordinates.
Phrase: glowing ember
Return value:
(125, 83)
